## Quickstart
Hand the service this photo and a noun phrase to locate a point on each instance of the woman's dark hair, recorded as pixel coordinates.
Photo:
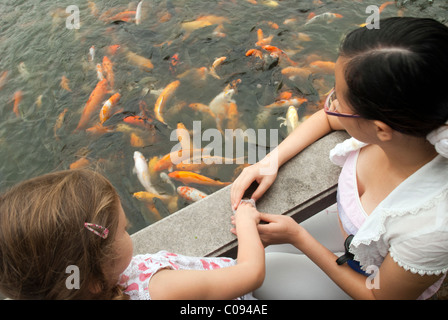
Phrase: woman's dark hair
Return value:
(398, 74)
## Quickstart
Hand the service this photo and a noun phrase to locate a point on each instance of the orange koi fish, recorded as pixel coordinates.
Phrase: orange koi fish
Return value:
(18, 95)
(183, 136)
(216, 63)
(385, 4)
(188, 177)
(3, 78)
(201, 108)
(105, 112)
(139, 61)
(65, 84)
(296, 71)
(59, 122)
(80, 163)
(126, 16)
(112, 50)
(163, 97)
(139, 121)
(324, 66)
(191, 194)
(286, 103)
(279, 52)
(254, 52)
(233, 116)
(93, 102)
(108, 70)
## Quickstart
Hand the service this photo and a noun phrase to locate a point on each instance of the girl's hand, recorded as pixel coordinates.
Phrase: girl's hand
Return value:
(255, 172)
(246, 213)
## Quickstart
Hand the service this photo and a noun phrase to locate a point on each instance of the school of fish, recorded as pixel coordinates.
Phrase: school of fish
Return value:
(174, 89)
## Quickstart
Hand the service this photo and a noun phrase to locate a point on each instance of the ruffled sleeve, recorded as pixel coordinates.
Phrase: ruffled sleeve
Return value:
(340, 152)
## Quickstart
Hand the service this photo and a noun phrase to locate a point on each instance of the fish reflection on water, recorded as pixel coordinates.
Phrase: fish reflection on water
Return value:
(109, 94)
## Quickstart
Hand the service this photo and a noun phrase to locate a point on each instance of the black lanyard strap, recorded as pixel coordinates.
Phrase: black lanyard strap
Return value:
(347, 255)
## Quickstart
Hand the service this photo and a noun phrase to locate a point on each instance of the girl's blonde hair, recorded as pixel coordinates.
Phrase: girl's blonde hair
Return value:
(42, 233)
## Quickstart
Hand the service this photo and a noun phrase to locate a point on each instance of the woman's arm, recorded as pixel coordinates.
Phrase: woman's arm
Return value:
(390, 282)
(219, 284)
(314, 128)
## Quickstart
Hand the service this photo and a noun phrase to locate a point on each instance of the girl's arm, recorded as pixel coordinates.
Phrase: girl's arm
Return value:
(390, 281)
(219, 284)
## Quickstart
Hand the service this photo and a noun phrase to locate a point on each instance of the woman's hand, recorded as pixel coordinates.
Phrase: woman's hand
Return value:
(256, 172)
(279, 229)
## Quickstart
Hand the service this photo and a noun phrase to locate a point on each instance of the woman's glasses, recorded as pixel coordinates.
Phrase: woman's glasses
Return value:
(331, 107)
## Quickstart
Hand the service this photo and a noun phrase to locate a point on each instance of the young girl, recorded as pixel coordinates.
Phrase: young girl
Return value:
(54, 222)
(390, 96)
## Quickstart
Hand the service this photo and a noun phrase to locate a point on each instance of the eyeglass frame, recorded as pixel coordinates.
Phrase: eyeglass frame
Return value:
(336, 114)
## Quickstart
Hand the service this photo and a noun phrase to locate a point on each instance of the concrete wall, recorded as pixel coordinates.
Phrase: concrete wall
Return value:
(304, 186)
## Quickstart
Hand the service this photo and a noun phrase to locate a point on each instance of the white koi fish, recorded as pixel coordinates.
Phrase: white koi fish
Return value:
(142, 171)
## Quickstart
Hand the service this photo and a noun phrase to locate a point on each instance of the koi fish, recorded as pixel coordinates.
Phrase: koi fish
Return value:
(18, 95)
(59, 122)
(262, 40)
(112, 50)
(173, 63)
(324, 66)
(291, 121)
(139, 61)
(126, 16)
(3, 78)
(219, 106)
(65, 84)
(385, 4)
(191, 194)
(105, 112)
(183, 136)
(142, 171)
(188, 177)
(94, 100)
(216, 63)
(291, 72)
(254, 52)
(91, 56)
(201, 108)
(233, 116)
(80, 163)
(164, 96)
(99, 72)
(279, 52)
(329, 17)
(139, 121)
(148, 197)
(138, 13)
(286, 103)
(108, 70)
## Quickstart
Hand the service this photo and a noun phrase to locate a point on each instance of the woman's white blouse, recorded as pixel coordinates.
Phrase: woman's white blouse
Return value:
(411, 223)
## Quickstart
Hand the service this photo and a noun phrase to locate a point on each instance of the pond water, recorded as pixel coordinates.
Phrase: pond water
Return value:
(199, 49)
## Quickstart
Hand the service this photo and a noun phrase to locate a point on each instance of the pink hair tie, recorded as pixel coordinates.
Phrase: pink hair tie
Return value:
(104, 231)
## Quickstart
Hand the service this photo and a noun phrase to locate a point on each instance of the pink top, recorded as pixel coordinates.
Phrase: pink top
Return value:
(351, 212)
(142, 268)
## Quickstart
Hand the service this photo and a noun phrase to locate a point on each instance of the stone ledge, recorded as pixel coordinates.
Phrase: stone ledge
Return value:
(304, 186)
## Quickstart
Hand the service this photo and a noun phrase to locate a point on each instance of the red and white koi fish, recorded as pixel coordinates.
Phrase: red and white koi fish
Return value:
(191, 194)
(106, 110)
